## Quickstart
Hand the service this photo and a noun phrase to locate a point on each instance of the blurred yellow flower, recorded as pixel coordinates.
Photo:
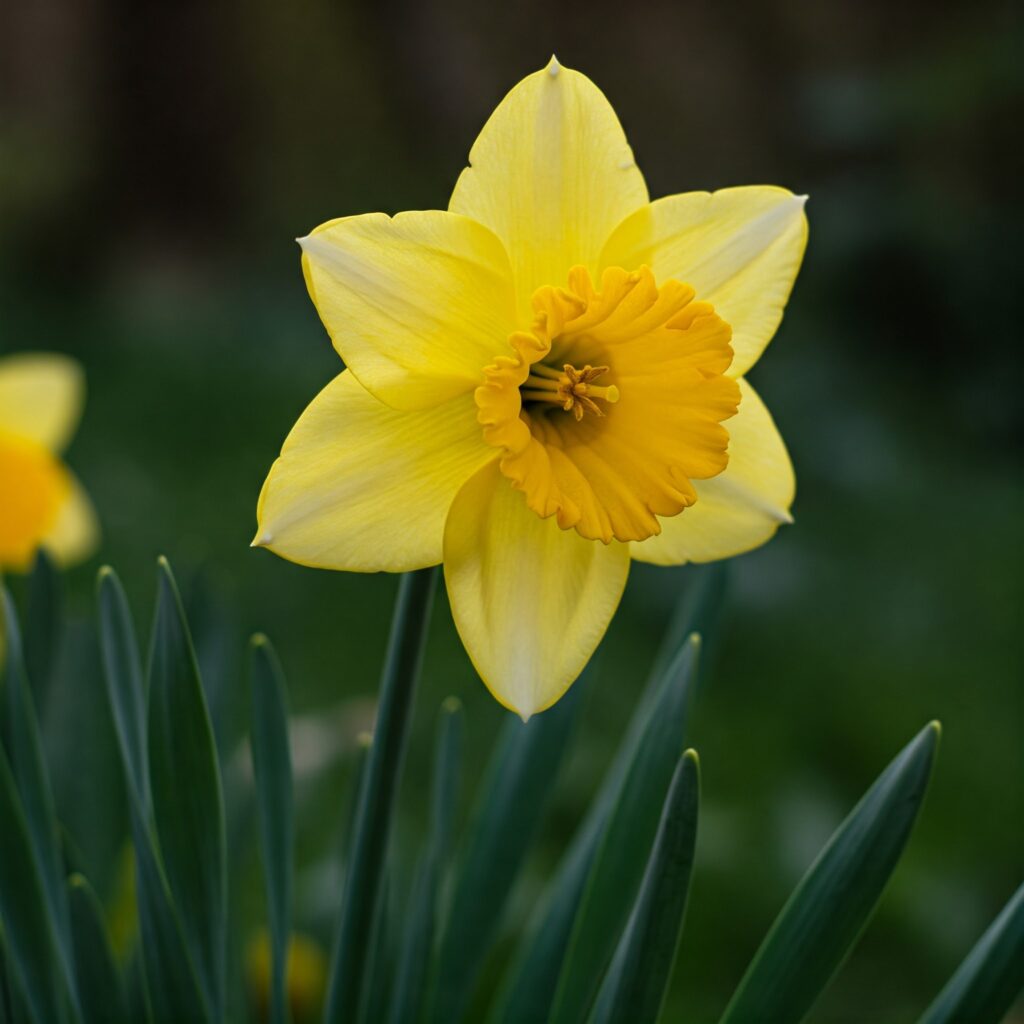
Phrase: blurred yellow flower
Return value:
(41, 503)
(306, 977)
(544, 382)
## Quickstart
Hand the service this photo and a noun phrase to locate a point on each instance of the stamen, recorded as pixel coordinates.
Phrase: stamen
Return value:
(571, 389)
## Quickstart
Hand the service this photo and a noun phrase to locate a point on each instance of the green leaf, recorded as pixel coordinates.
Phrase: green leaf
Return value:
(361, 899)
(185, 783)
(701, 610)
(615, 875)
(171, 984)
(508, 811)
(32, 782)
(830, 907)
(29, 934)
(42, 624)
(123, 674)
(529, 986)
(272, 766)
(410, 984)
(380, 967)
(100, 986)
(634, 987)
(986, 984)
(173, 990)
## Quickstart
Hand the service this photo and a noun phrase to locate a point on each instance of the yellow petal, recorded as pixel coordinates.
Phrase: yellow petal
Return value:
(738, 510)
(415, 304)
(740, 248)
(551, 174)
(75, 534)
(41, 395)
(531, 601)
(364, 487)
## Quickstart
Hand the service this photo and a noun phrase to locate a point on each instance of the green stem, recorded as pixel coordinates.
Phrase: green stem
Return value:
(377, 796)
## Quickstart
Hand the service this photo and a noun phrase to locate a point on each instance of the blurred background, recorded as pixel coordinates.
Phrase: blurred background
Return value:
(156, 163)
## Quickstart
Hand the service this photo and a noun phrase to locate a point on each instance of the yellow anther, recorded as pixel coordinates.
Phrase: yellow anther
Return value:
(572, 389)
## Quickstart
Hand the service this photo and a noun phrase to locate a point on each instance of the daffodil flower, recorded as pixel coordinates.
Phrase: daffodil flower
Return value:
(544, 383)
(41, 502)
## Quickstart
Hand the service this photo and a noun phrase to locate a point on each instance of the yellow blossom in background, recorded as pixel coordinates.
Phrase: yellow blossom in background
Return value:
(306, 974)
(544, 382)
(41, 502)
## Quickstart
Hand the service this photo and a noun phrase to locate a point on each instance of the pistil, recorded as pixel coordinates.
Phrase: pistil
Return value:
(572, 389)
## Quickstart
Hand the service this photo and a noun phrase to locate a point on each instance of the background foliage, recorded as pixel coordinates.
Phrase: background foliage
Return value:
(153, 171)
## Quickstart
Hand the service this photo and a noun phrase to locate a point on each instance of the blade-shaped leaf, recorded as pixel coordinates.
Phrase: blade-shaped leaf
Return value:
(32, 782)
(615, 875)
(173, 990)
(185, 784)
(529, 986)
(829, 908)
(29, 935)
(410, 985)
(700, 609)
(42, 624)
(272, 766)
(123, 674)
(363, 879)
(634, 987)
(508, 811)
(986, 984)
(100, 987)
(170, 980)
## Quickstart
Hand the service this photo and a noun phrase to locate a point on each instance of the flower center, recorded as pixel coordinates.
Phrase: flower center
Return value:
(573, 389)
(33, 489)
(612, 474)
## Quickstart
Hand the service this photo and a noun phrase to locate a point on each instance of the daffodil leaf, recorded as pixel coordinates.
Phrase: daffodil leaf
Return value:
(618, 865)
(829, 908)
(381, 963)
(185, 783)
(410, 983)
(363, 880)
(700, 609)
(31, 781)
(42, 624)
(508, 811)
(173, 990)
(986, 984)
(29, 934)
(122, 669)
(169, 977)
(100, 986)
(11, 1009)
(634, 987)
(529, 986)
(272, 766)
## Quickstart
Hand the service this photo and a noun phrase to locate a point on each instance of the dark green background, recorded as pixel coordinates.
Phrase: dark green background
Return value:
(156, 162)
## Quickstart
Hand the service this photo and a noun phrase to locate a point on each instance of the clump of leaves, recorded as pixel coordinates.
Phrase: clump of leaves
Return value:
(602, 942)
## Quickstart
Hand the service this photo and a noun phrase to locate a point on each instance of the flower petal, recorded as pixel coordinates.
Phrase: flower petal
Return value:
(415, 304)
(364, 487)
(76, 533)
(740, 248)
(551, 174)
(738, 510)
(41, 396)
(531, 601)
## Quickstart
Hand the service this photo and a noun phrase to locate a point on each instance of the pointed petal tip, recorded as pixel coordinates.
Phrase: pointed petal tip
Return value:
(262, 539)
(553, 66)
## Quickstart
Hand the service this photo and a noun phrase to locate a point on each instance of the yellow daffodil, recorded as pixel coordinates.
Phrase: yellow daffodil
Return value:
(544, 382)
(41, 502)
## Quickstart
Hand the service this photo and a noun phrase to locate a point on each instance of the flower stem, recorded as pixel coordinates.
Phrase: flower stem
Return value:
(377, 796)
